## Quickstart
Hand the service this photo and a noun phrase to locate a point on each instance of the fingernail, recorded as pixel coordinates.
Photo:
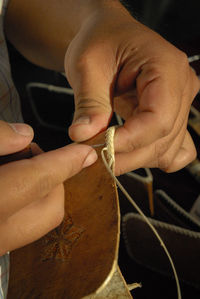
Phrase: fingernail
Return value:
(82, 120)
(91, 158)
(22, 129)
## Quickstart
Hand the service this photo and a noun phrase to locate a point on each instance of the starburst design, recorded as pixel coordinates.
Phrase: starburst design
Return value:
(60, 241)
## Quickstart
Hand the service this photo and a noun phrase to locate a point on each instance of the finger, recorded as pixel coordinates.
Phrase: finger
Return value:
(195, 83)
(27, 180)
(167, 148)
(14, 137)
(33, 221)
(139, 158)
(162, 105)
(92, 85)
(185, 155)
(170, 146)
(154, 118)
(159, 154)
(125, 104)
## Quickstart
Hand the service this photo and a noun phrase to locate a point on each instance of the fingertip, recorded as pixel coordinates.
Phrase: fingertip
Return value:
(22, 129)
(82, 152)
(14, 137)
(81, 132)
(91, 158)
(56, 166)
(83, 129)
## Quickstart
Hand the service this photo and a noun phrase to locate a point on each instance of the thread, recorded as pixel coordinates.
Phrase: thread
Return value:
(109, 164)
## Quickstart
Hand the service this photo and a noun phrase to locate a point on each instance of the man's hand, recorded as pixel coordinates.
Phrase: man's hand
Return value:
(115, 57)
(113, 61)
(32, 194)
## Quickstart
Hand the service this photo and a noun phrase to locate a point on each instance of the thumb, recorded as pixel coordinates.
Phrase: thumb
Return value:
(14, 137)
(34, 178)
(92, 86)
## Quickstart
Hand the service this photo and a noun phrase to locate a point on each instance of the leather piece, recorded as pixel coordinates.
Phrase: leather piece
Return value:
(75, 259)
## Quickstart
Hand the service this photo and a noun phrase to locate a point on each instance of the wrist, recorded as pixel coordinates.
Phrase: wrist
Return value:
(90, 8)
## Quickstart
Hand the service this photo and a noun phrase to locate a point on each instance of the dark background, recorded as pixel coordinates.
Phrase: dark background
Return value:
(50, 114)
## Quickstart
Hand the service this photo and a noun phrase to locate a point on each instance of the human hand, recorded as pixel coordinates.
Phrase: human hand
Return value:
(32, 194)
(114, 58)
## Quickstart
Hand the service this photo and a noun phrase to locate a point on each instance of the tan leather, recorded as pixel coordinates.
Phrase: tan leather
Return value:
(75, 259)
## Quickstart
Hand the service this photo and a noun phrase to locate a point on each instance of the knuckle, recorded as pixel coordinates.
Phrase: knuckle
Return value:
(164, 163)
(130, 146)
(95, 102)
(41, 179)
(162, 159)
(81, 63)
(160, 149)
(165, 126)
(44, 185)
(84, 61)
(192, 154)
(35, 181)
(182, 60)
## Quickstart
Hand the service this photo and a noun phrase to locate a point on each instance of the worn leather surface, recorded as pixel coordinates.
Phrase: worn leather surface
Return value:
(75, 259)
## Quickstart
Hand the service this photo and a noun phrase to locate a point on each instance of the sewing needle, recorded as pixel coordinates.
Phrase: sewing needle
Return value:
(98, 145)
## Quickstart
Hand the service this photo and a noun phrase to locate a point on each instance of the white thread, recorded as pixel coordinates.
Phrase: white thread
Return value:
(109, 138)
(193, 58)
(134, 286)
(110, 156)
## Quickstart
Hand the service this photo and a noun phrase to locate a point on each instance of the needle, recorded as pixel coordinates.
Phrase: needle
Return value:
(98, 145)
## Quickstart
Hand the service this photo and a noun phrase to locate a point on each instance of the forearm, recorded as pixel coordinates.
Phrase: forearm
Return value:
(42, 30)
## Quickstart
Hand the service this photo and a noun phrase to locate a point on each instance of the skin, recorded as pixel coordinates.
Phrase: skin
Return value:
(32, 193)
(113, 63)
(139, 75)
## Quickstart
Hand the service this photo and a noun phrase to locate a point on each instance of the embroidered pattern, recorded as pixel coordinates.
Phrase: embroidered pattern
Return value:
(60, 241)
